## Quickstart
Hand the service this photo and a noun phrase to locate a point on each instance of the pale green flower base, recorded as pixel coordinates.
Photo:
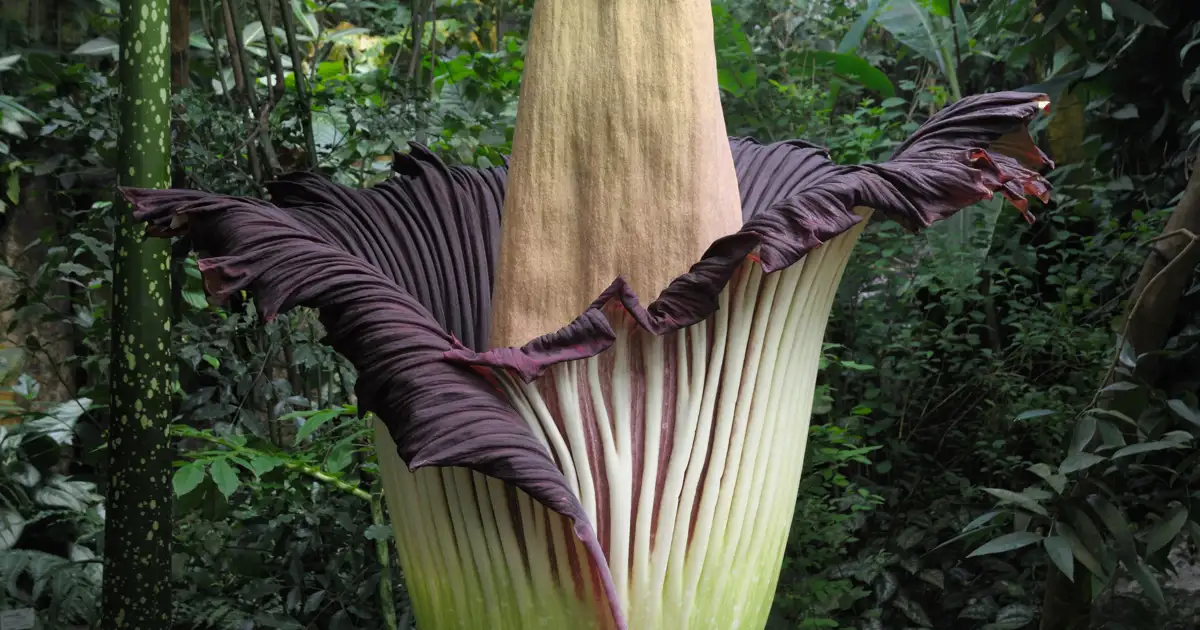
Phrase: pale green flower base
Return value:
(704, 552)
(462, 554)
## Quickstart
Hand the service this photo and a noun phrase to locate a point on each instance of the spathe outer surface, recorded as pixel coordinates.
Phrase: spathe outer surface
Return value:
(401, 273)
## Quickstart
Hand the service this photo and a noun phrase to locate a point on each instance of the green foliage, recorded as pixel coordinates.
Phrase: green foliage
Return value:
(50, 523)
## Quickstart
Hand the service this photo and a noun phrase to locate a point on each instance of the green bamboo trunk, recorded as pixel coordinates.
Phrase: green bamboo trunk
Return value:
(137, 593)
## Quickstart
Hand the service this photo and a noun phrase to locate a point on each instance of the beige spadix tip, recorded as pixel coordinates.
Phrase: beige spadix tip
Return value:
(620, 165)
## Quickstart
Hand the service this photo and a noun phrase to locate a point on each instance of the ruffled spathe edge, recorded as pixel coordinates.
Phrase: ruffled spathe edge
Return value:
(932, 175)
(401, 273)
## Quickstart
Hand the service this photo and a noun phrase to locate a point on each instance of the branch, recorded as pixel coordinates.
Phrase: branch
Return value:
(304, 98)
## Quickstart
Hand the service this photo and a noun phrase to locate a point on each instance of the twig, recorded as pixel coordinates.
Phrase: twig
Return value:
(1193, 240)
(303, 96)
(232, 40)
(311, 471)
(262, 130)
(280, 83)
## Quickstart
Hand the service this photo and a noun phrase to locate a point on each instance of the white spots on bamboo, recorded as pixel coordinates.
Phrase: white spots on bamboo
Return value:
(141, 401)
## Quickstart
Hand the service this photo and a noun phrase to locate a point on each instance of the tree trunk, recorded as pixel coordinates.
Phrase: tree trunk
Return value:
(137, 591)
(1150, 325)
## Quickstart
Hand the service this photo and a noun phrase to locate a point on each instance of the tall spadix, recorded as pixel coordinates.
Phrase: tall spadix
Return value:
(620, 165)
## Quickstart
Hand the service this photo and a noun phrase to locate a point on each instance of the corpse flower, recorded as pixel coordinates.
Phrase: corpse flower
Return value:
(556, 452)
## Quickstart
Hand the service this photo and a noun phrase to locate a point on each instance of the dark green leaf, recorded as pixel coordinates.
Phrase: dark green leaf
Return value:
(314, 422)
(912, 24)
(853, 37)
(225, 477)
(263, 464)
(12, 523)
(1017, 498)
(913, 611)
(1085, 429)
(849, 68)
(1078, 462)
(1144, 447)
(934, 577)
(1128, 112)
(1167, 529)
(1005, 543)
(1183, 411)
(195, 299)
(1055, 480)
(1110, 434)
(1078, 549)
(101, 46)
(187, 477)
(1113, 520)
(379, 532)
(1060, 554)
(1012, 617)
(1149, 583)
(1135, 12)
(340, 455)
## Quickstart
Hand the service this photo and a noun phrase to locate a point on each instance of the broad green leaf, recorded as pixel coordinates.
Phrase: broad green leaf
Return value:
(1144, 447)
(1085, 430)
(1060, 554)
(12, 524)
(1057, 481)
(1110, 434)
(187, 477)
(195, 299)
(101, 46)
(913, 611)
(736, 83)
(340, 455)
(914, 26)
(1128, 112)
(263, 464)
(1078, 549)
(1078, 462)
(1179, 437)
(933, 577)
(379, 532)
(1167, 529)
(1005, 543)
(348, 33)
(197, 39)
(1135, 12)
(314, 422)
(853, 37)
(1012, 617)
(1182, 410)
(847, 67)
(1113, 413)
(972, 528)
(225, 477)
(13, 189)
(252, 32)
(1017, 498)
(1149, 583)
(1113, 520)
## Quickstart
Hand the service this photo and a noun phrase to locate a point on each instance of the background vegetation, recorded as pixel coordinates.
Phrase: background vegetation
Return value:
(1006, 428)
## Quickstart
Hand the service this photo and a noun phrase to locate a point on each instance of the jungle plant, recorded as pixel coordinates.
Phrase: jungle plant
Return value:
(563, 455)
